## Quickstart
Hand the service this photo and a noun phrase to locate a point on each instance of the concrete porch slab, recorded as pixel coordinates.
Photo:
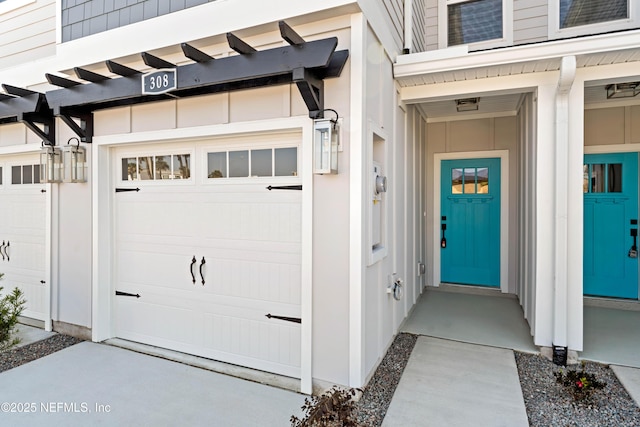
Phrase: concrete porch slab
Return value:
(448, 383)
(495, 320)
(97, 384)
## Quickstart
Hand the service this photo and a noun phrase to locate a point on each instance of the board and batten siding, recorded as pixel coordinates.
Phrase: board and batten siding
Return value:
(28, 33)
(530, 21)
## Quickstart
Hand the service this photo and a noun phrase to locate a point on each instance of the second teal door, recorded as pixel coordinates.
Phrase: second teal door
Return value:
(470, 222)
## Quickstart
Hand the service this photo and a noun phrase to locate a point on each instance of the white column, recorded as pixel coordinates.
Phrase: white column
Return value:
(561, 202)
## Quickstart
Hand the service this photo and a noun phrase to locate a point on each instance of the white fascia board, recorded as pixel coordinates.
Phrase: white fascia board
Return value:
(490, 86)
(189, 24)
(414, 64)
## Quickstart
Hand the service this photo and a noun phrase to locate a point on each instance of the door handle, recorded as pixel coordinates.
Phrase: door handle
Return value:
(443, 241)
(1, 248)
(202, 265)
(6, 250)
(633, 252)
(193, 276)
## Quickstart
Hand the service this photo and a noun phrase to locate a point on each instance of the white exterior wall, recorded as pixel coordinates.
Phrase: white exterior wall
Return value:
(28, 32)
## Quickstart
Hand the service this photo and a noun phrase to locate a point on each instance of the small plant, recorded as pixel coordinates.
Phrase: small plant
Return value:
(333, 408)
(580, 384)
(11, 306)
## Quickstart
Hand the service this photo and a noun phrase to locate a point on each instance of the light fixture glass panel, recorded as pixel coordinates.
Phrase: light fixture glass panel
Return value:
(286, 160)
(238, 164)
(145, 167)
(129, 169)
(1, 176)
(585, 178)
(261, 163)
(181, 166)
(217, 165)
(163, 167)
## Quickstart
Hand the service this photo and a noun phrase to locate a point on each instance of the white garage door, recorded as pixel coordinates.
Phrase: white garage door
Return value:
(22, 231)
(211, 251)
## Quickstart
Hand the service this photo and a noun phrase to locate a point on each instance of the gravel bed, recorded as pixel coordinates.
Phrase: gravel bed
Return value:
(376, 397)
(19, 356)
(549, 404)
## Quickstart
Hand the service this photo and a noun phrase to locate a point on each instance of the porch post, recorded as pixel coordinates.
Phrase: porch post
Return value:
(562, 171)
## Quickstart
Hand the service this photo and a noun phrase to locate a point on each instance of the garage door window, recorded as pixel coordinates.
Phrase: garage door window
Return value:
(253, 163)
(24, 174)
(155, 168)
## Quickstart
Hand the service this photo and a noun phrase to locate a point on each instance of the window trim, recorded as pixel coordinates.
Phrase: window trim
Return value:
(507, 27)
(555, 32)
(11, 5)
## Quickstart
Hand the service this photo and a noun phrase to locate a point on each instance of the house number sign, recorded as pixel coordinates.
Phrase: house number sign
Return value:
(160, 81)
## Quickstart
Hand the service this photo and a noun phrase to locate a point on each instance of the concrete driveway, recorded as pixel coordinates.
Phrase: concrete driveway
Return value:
(100, 385)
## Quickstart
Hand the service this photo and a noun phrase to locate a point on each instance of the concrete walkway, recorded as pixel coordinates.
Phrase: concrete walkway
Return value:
(96, 384)
(448, 383)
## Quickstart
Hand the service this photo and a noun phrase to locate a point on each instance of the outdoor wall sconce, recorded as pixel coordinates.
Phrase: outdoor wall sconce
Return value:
(74, 162)
(50, 164)
(326, 138)
(623, 90)
(467, 104)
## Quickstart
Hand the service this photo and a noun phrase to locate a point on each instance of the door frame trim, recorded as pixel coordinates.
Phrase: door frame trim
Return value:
(503, 155)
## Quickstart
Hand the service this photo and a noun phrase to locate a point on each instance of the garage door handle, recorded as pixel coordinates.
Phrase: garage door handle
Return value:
(2, 247)
(6, 250)
(193, 276)
(202, 265)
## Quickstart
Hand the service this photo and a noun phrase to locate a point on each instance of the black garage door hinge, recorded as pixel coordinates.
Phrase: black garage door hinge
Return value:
(122, 190)
(126, 294)
(284, 187)
(286, 319)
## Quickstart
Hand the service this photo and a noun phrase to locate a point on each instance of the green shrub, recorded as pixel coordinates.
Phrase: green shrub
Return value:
(580, 384)
(11, 306)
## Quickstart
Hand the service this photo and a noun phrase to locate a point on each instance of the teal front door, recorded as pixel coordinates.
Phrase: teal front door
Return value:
(610, 266)
(470, 222)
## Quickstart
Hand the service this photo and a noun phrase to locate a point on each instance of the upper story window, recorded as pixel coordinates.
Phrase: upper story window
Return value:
(480, 23)
(569, 18)
(574, 13)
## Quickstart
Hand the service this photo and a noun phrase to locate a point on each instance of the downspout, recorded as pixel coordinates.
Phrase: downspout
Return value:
(408, 25)
(561, 235)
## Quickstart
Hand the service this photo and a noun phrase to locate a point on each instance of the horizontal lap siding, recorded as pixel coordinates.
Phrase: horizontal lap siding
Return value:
(27, 33)
(530, 21)
(395, 12)
(431, 24)
(419, 26)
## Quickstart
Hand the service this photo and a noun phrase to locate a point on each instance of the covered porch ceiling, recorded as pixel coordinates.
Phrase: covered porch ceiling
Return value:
(457, 65)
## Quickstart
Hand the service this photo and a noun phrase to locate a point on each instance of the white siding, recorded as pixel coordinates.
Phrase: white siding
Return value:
(27, 33)
(419, 27)
(395, 11)
(431, 23)
(529, 21)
